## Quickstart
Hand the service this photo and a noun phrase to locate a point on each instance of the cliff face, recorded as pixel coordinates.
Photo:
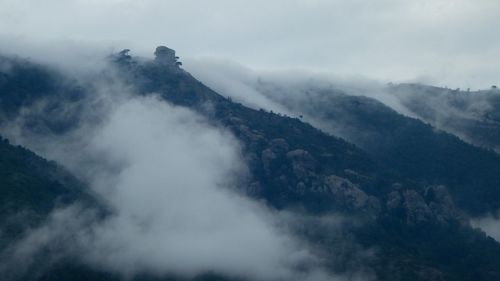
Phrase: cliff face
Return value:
(166, 56)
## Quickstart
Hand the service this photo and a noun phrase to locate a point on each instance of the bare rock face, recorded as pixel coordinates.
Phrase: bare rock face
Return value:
(417, 211)
(267, 156)
(441, 204)
(279, 146)
(433, 205)
(351, 196)
(302, 162)
(166, 56)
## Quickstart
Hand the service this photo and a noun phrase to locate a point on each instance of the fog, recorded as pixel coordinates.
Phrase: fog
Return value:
(470, 115)
(170, 178)
(173, 212)
(490, 225)
(171, 181)
(292, 92)
(443, 42)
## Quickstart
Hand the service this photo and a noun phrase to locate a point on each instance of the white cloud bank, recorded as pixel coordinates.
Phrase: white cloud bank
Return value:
(174, 212)
(490, 225)
(446, 42)
(171, 180)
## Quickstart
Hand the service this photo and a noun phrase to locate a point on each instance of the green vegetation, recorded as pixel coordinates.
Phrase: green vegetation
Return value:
(388, 186)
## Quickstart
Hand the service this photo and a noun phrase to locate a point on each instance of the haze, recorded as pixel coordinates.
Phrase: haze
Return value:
(451, 43)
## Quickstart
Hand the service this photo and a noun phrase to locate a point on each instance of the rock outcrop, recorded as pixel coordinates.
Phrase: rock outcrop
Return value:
(350, 196)
(433, 205)
(166, 56)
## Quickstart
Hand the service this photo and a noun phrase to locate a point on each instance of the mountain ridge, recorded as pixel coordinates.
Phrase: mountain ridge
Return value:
(292, 163)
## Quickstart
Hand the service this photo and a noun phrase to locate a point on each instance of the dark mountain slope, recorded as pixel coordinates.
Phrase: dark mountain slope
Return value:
(291, 161)
(415, 149)
(411, 226)
(30, 187)
(472, 115)
(26, 176)
(24, 84)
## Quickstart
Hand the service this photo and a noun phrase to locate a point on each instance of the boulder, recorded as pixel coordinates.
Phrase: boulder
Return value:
(166, 56)
(351, 196)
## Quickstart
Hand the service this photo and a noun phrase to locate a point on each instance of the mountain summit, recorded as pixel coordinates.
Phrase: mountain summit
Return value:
(166, 56)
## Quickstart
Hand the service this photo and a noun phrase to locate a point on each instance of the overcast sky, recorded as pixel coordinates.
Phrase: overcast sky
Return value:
(445, 42)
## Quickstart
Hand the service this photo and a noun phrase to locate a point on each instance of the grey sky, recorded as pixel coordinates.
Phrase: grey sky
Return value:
(445, 42)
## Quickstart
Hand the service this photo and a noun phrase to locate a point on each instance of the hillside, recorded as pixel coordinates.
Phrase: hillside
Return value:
(400, 187)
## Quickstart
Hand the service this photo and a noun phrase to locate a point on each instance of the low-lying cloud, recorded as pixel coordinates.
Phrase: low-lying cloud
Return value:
(305, 94)
(291, 92)
(174, 211)
(170, 179)
(490, 225)
(454, 42)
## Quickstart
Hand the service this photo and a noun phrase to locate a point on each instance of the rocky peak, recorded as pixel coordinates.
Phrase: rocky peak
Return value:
(166, 56)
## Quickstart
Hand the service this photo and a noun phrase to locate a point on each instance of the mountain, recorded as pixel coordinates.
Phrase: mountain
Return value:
(413, 148)
(31, 187)
(395, 185)
(472, 115)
